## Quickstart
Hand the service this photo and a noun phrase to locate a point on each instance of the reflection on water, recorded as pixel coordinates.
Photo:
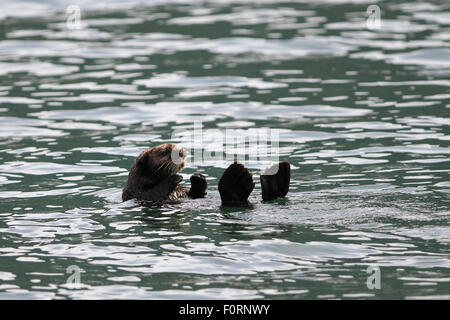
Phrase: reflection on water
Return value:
(362, 116)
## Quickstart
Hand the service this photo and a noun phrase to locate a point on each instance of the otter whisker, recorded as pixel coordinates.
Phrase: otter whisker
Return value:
(164, 164)
(173, 168)
(167, 164)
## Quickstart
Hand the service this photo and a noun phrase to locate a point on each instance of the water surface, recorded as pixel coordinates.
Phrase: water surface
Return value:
(363, 117)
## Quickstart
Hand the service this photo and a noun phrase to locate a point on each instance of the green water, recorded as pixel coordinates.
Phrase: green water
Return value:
(363, 117)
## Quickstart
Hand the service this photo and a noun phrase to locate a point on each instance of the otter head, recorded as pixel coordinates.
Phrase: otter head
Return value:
(161, 162)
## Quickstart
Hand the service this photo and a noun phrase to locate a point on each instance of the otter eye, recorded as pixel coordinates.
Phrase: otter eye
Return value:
(181, 153)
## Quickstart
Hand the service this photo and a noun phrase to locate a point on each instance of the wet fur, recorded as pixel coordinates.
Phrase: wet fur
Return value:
(153, 176)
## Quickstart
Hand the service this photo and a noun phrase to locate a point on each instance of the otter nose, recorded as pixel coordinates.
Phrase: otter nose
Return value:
(181, 153)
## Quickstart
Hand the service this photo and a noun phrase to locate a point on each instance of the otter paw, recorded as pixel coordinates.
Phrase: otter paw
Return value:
(275, 181)
(235, 185)
(198, 186)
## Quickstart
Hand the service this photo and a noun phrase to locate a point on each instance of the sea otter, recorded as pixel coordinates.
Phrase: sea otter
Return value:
(154, 178)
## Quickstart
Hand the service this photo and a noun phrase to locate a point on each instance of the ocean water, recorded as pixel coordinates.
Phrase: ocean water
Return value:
(362, 115)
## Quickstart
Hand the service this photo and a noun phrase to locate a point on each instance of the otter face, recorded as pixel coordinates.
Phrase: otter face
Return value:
(162, 161)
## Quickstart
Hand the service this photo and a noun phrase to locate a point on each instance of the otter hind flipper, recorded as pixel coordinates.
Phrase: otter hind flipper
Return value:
(275, 181)
(198, 186)
(235, 185)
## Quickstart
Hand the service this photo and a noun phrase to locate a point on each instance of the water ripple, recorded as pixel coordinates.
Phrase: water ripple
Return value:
(362, 115)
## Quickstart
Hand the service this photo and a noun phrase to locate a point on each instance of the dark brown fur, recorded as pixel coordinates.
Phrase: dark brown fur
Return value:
(276, 185)
(235, 185)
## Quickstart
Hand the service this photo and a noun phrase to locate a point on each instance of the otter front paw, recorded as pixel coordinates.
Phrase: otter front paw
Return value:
(235, 185)
(275, 181)
(198, 186)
